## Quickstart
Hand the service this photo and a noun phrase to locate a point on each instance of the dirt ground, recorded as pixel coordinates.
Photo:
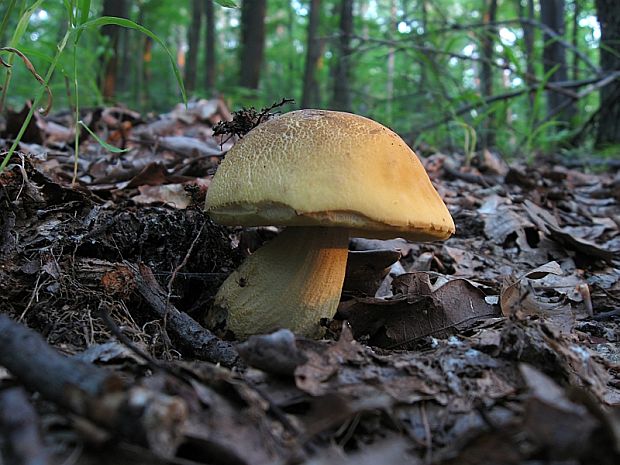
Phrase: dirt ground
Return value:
(497, 346)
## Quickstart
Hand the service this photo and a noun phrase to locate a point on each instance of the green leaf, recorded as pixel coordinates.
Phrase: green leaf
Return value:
(226, 3)
(123, 22)
(23, 24)
(69, 9)
(101, 142)
(83, 10)
(7, 14)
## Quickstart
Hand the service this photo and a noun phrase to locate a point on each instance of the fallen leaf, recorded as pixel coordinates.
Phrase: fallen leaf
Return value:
(547, 292)
(417, 310)
(549, 225)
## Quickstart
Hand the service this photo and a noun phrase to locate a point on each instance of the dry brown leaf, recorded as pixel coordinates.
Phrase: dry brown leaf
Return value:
(547, 292)
(418, 310)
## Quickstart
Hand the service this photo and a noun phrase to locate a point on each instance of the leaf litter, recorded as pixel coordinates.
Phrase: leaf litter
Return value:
(498, 346)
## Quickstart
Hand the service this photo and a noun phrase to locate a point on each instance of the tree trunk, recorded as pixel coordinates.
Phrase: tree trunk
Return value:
(209, 48)
(193, 41)
(608, 12)
(145, 77)
(528, 40)
(486, 71)
(310, 96)
(391, 64)
(252, 41)
(342, 97)
(554, 56)
(112, 8)
(575, 39)
(424, 11)
(126, 38)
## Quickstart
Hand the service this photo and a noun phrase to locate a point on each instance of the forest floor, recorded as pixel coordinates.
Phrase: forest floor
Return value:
(497, 346)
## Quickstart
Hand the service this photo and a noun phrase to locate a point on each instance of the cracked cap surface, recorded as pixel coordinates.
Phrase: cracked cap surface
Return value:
(330, 169)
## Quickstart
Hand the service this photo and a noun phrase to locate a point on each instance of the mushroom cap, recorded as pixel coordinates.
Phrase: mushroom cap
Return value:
(329, 169)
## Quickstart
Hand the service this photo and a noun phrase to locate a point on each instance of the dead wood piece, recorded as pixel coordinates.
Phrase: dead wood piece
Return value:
(134, 413)
(188, 146)
(473, 178)
(40, 368)
(19, 425)
(193, 338)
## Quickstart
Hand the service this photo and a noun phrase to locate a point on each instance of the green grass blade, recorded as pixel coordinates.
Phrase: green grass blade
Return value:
(83, 10)
(35, 103)
(69, 9)
(23, 22)
(127, 23)
(7, 15)
(101, 142)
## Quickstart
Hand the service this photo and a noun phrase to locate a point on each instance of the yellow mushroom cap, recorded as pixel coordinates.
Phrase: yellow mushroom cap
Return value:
(330, 169)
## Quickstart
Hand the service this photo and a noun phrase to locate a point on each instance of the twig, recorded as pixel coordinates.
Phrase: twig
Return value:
(403, 45)
(516, 93)
(116, 331)
(531, 22)
(177, 269)
(245, 120)
(195, 340)
(468, 177)
(604, 81)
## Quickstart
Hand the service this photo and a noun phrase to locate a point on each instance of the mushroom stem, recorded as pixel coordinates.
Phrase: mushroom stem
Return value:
(292, 282)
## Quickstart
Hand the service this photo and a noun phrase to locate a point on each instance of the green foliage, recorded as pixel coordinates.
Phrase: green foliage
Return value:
(104, 144)
(226, 3)
(435, 82)
(77, 13)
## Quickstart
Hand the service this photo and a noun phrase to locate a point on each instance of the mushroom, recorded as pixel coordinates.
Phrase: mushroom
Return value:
(326, 176)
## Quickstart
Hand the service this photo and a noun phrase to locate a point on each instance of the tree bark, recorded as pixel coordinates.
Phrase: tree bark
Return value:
(252, 41)
(209, 47)
(391, 63)
(145, 75)
(486, 72)
(575, 39)
(193, 41)
(342, 96)
(113, 33)
(423, 74)
(310, 97)
(528, 39)
(554, 56)
(608, 132)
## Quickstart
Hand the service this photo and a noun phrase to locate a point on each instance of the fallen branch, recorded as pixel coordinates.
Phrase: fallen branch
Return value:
(40, 368)
(133, 413)
(194, 339)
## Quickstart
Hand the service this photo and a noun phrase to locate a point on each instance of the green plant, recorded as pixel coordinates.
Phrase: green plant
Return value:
(469, 140)
(78, 13)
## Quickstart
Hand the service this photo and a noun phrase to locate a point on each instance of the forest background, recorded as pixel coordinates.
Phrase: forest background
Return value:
(520, 76)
